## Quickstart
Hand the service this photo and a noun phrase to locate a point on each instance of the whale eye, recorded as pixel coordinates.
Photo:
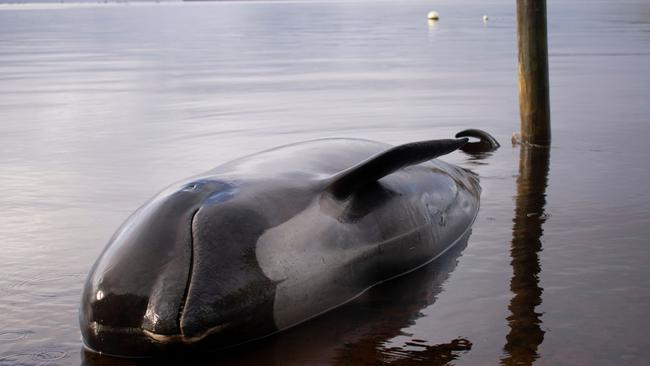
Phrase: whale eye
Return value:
(191, 187)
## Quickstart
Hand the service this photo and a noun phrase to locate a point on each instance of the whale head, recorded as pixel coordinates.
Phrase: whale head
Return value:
(181, 269)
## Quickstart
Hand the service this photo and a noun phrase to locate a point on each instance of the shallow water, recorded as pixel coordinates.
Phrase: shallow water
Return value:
(101, 106)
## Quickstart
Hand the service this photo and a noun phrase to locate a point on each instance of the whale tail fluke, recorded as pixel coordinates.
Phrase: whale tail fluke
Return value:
(374, 168)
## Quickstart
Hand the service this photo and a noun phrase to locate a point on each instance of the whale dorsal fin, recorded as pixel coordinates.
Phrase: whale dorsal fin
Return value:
(378, 166)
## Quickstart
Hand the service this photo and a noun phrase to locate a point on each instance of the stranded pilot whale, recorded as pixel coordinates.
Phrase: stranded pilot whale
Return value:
(270, 240)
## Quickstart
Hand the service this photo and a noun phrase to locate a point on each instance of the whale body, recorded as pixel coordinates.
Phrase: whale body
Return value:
(270, 240)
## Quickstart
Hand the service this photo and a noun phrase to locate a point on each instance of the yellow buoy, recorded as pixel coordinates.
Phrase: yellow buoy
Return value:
(485, 18)
(433, 15)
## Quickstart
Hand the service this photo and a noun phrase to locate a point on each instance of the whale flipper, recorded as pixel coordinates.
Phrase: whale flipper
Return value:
(378, 166)
(486, 142)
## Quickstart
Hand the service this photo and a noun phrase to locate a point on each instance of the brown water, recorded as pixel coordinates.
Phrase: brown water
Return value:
(103, 105)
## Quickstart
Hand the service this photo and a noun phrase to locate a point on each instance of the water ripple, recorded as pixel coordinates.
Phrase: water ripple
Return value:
(36, 358)
(49, 356)
(14, 335)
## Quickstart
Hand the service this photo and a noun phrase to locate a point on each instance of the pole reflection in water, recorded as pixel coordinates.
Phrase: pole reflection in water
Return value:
(525, 333)
(357, 333)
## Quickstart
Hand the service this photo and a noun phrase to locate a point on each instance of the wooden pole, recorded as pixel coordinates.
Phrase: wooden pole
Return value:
(534, 106)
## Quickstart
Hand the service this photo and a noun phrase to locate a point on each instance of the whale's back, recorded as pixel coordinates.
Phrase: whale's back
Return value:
(316, 158)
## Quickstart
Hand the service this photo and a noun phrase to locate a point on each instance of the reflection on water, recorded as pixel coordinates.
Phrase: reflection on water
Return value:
(354, 334)
(402, 301)
(374, 353)
(525, 334)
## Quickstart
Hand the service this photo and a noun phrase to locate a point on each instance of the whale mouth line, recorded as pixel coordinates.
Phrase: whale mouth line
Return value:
(157, 337)
(181, 307)
(180, 338)
(101, 328)
(162, 340)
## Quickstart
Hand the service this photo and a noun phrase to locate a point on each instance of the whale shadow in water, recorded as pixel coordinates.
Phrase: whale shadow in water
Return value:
(354, 334)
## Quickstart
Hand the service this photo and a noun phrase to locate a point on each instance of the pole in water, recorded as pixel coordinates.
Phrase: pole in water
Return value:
(534, 105)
